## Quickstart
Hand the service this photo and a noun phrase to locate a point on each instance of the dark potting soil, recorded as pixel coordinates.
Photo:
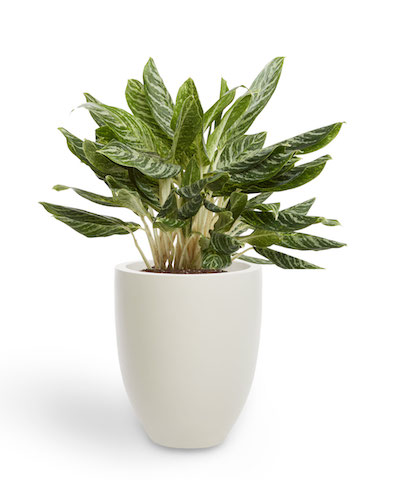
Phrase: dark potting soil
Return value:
(182, 272)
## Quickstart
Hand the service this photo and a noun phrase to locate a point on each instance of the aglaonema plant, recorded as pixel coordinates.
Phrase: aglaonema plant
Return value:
(190, 176)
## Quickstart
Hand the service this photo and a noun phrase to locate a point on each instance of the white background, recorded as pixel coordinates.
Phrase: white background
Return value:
(325, 401)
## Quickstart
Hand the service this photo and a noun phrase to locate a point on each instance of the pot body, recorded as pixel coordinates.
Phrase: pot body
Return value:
(187, 348)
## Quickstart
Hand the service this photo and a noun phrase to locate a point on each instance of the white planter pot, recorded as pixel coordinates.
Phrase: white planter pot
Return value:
(187, 349)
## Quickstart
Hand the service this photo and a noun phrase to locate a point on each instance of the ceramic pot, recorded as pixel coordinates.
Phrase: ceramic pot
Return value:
(187, 349)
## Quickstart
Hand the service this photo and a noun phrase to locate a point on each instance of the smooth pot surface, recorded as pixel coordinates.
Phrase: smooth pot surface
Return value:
(188, 348)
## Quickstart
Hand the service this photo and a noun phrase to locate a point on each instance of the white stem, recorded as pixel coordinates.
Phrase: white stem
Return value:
(141, 251)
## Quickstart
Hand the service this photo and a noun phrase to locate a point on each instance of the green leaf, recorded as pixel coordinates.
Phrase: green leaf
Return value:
(75, 145)
(189, 124)
(102, 164)
(147, 187)
(158, 97)
(224, 222)
(261, 89)
(258, 261)
(313, 140)
(214, 181)
(169, 224)
(190, 207)
(223, 89)
(267, 207)
(222, 243)
(104, 134)
(191, 173)
(286, 222)
(212, 207)
(237, 203)
(216, 139)
(90, 224)
(262, 171)
(239, 154)
(136, 98)
(303, 241)
(285, 261)
(293, 178)
(93, 197)
(216, 110)
(301, 208)
(186, 90)
(170, 207)
(215, 261)
(150, 164)
(261, 238)
(126, 198)
(258, 199)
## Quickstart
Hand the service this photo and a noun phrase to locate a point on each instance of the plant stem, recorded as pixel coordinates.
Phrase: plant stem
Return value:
(141, 251)
(241, 253)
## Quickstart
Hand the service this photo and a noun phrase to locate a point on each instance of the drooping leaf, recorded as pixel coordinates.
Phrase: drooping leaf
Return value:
(261, 89)
(102, 164)
(150, 164)
(170, 207)
(158, 97)
(303, 241)
(75, 145)
(93, 197)
(285, 261)
(223, 243)
(212, 207)
(301, 208)
(147, 187)
(90, 224)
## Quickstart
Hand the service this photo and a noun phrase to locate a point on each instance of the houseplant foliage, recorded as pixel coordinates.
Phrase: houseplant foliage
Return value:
(198, 185)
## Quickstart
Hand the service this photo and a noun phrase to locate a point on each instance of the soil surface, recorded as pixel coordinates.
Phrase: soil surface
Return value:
(182, 272)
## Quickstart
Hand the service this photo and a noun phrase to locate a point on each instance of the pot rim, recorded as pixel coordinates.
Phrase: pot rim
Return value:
(134, 268)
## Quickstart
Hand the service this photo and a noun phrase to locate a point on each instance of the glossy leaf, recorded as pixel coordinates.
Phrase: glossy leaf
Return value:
(215, 261)
(303, 241)
(150, 164)
(190, 207)
(222, 243)
(240, 154)
(93, 197)
(256, 260)
(285, 261)
(300, 208)
(158, 97)
(90, 224)
(261, 238)
(214, 181)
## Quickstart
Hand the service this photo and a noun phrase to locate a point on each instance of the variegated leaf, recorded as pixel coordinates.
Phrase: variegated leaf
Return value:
(258, 261)
(189, 124)
(169, 208)
(224, 222)
(190, 207)
(212, 207)
(262, 89)
(75, 145)
(102, 164)
(293, 178)
(147, 187)
(303, 241)
(216, 110)
(223, 90)
(214, 181)
(186, 90)
(93, 197)
(169, 224)
(90, 224)
(285, 261)
(222, 243)
(191, 174)
(150, 164)
(104, 135)
(267, 207)
(258, 199)
(216, 139)
(313, 140)
(261, 238)
(301, 208)
(239, 155)
(158, 97)
(213, 260)
(237, 203)
(286, 222)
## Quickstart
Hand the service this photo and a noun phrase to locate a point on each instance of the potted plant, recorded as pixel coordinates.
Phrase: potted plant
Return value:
(188, 318)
